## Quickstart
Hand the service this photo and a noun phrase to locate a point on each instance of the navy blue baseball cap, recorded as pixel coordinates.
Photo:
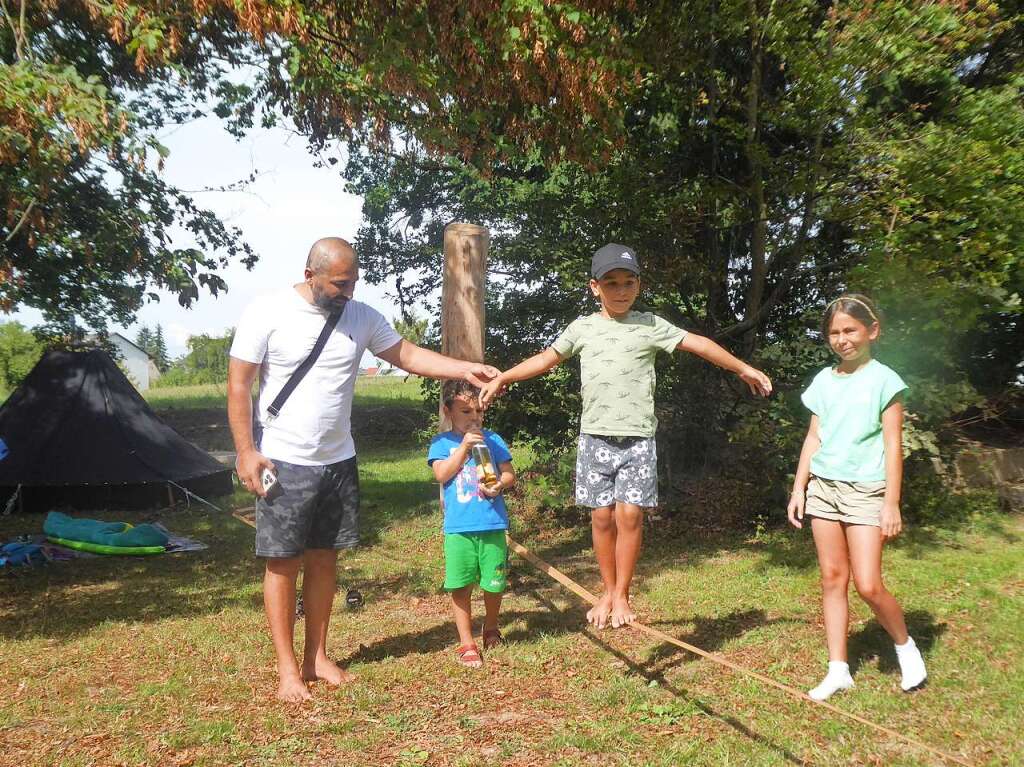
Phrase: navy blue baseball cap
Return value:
(613, 256)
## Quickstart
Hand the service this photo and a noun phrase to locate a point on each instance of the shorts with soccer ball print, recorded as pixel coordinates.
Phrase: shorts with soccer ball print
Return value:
(610, 469)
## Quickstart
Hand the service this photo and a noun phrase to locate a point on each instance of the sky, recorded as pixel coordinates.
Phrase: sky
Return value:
(289, 206)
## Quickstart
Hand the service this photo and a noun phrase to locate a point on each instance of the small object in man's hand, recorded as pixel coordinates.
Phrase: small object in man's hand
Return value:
(271, 487)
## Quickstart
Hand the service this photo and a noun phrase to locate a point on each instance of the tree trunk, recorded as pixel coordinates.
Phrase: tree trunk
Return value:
(462, 293)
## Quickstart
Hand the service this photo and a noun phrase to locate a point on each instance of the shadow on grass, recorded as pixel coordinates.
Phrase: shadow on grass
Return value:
(872, 642)
(443, 636)
(709, 634)
(652, 675)
(63, 600)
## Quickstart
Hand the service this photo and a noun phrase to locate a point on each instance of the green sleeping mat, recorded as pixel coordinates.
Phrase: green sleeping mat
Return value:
(100, 537)
(99, 548)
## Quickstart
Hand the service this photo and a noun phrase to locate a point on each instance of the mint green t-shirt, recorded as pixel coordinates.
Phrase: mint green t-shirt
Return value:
(617, 370)
(849, 410)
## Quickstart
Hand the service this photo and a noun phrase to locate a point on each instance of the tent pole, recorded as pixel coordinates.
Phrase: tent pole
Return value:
(189, 495)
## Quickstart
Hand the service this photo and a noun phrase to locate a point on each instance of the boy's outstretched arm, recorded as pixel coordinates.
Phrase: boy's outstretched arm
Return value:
(528, 368)
(758, 382)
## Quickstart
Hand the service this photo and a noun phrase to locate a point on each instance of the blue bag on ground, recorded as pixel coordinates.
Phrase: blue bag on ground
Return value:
(17, 553)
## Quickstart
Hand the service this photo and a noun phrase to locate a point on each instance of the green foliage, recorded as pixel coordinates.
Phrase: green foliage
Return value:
(153, 343)
(412, 328)
(20, 350)
(206, 362)
(144, 338)
(159, 350)
(930, 501)
(773, 157)
(87, 221)
(542, 491)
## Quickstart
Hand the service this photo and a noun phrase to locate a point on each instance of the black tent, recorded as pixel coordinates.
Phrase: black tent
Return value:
(78, 434)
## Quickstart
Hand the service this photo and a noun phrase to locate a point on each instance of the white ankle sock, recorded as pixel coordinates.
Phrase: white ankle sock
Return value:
(911, 665)
(838, 678)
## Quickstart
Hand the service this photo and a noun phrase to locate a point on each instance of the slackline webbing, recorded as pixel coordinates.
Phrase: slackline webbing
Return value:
(581, 592)
(585, 595)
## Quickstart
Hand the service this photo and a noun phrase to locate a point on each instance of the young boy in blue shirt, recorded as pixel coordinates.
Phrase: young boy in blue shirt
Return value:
(475, 517)
(616, 461)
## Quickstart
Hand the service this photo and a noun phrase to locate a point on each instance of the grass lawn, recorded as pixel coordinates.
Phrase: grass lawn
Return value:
(389, 390)
(166, 661)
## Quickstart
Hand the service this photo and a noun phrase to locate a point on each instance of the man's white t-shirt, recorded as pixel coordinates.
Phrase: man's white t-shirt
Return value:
(278, 332)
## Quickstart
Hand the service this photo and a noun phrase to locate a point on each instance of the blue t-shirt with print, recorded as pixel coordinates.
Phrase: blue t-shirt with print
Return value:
(466, 509)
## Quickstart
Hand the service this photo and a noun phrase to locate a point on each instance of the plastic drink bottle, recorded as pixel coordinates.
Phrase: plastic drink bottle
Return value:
(484, 464)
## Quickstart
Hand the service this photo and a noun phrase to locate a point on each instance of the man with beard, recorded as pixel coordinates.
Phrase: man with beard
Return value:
(308, 446)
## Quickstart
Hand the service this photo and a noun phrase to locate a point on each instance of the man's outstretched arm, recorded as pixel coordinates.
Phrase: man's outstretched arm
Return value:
(424, 362)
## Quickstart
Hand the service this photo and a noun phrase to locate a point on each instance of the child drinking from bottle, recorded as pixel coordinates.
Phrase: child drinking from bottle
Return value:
(848, 481)
(474, 467)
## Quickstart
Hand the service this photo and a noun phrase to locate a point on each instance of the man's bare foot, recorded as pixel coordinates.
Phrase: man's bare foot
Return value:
(622, 613)
(327, 670)
(598, 615)
(291, 689)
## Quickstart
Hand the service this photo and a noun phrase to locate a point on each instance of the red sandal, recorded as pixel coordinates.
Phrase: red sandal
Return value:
(492, 638)
(469, 656)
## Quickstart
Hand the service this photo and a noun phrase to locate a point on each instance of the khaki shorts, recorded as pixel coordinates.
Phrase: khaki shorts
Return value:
(855, 503)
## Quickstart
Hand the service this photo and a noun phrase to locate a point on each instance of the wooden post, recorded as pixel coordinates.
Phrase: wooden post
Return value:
(462, 293)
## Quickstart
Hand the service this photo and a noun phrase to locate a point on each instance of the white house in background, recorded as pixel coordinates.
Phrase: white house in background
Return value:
(137, 365)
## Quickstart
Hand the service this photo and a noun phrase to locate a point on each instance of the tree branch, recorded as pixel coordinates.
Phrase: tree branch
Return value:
(21, 221)
(15, 30)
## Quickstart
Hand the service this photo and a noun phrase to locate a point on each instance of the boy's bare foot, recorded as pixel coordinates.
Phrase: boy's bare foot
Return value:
(598, 615)
(622, 613)
(327, 670)
(291, 689)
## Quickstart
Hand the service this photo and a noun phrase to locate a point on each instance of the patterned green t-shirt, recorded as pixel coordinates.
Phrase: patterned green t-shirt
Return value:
(617, 369)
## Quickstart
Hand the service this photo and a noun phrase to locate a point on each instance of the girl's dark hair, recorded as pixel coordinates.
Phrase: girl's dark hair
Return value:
(457, 387)
(858, 306)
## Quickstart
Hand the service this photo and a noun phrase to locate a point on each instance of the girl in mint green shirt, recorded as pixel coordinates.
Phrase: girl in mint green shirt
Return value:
(848, 481)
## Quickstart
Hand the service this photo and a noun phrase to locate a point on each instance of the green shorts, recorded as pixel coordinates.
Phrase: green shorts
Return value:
(471, 558)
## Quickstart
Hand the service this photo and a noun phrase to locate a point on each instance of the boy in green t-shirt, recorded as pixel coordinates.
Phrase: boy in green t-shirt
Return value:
(616, 463)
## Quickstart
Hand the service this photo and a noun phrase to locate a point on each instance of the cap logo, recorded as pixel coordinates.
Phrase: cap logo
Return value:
(626, 255)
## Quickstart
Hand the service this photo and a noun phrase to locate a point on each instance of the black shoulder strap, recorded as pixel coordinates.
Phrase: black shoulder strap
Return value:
(300, 372)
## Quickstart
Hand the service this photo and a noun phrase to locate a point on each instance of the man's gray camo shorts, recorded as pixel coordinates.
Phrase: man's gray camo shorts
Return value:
(319, 509)
(610, 469)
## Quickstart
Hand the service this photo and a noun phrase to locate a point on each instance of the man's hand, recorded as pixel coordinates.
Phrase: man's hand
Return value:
(890, 521)
(249, 465)
(492, 389)
(795, 511)
(758, 382)
(478, 374)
